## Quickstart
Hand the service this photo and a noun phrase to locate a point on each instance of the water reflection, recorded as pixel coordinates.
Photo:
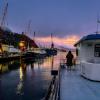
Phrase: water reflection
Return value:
(1, 97)
(6, 67)
(20, 85)
(32, 65)
(28, 80)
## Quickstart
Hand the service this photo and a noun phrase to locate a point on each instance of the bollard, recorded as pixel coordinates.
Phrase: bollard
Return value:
(54, 72)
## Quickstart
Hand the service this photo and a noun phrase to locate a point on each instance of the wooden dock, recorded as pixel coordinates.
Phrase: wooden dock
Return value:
(74, 87)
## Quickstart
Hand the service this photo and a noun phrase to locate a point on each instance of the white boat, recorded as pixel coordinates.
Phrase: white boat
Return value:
(39, 51)
(35, 53)
(89, 56)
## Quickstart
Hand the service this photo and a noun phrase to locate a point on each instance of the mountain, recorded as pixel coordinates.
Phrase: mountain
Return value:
(9, 37)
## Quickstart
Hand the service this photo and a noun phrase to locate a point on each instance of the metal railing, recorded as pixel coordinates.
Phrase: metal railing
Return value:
(53, 92)
(54, 88)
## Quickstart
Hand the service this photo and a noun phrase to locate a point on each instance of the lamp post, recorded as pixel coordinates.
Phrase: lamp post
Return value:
(22, 48)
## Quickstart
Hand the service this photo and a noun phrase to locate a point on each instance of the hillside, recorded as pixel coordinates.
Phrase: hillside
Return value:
(12, 38)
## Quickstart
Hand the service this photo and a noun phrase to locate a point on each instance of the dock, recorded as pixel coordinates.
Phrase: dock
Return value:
(75, 87)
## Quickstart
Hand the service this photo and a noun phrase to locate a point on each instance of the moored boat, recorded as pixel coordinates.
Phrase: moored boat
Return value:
(51, 51)
(88, 50)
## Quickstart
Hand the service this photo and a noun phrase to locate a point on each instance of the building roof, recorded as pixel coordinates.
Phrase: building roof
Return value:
(88, 37)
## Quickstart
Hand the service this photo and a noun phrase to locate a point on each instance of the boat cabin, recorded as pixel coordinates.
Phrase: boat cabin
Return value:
(88, 52)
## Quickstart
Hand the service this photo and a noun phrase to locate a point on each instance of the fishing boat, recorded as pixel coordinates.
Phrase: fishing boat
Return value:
(39, 52)
(35, 53)
(52, 50)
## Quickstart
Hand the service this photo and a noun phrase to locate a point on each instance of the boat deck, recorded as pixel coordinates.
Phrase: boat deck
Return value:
(75, 87)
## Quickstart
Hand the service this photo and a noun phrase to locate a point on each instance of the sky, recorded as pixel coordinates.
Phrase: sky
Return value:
(67, 20)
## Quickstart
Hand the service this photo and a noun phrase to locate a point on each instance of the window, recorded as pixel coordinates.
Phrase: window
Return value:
(97, 50)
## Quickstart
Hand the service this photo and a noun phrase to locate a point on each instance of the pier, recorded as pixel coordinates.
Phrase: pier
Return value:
(75, 87)
(70, 85)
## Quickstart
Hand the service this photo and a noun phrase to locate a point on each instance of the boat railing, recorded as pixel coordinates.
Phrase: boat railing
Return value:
(53, 92)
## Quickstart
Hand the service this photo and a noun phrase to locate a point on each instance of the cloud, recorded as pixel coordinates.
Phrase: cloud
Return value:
(67, 41)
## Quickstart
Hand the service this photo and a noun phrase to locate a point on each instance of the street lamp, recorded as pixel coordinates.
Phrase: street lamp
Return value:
(22, 48)
(22, 45)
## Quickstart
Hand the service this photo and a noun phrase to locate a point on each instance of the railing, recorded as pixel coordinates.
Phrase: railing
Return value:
(53, 92)
(54, 87)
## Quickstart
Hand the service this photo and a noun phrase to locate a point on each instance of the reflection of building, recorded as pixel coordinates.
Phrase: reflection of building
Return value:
(4, 68)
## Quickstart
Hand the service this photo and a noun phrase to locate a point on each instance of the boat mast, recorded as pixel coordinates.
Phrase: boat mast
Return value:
(3, 19)
(4, 14)
(52, 44)
(98, 21)
(27, 32)
(34, 36)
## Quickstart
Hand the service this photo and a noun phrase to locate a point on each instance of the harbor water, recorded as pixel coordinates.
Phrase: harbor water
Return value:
(27, 80)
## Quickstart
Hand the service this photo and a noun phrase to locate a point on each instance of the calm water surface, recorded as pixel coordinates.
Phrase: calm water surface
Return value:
(27, 81)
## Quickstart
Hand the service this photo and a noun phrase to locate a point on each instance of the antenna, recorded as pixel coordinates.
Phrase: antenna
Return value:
(98, 21)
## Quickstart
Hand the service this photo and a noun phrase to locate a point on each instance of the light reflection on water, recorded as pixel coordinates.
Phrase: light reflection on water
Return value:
(27, 81)
(22, 71)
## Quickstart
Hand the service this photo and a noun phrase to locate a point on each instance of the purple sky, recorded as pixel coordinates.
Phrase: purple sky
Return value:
(61, 17)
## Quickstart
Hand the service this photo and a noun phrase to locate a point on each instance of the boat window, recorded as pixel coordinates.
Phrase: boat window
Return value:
(77, 52)
(97, 50)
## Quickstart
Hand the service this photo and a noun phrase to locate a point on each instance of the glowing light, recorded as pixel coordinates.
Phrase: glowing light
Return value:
(21, 73)
(21, 44)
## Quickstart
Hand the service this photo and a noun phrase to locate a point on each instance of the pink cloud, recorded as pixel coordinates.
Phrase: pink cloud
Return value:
(67, 41)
